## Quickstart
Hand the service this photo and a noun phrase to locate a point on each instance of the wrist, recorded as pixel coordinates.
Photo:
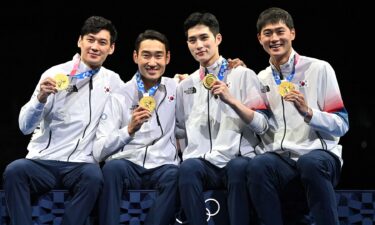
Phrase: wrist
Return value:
(307, 115)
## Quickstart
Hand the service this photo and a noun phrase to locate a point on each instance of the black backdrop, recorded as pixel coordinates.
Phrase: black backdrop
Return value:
(36, 36)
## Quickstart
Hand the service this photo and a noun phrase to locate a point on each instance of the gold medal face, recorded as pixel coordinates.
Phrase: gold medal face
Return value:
(285, 87)
(148, 102)
(209, 81)
(62, 81)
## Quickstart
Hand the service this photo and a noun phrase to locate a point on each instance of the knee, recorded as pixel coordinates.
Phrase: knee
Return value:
(113, 167)
(260, 165)
(189, 170)
(170, 176)
(310, 167)
(236, 168)
(172, 173)
(189, 167)
(15, 170)
(92, 176)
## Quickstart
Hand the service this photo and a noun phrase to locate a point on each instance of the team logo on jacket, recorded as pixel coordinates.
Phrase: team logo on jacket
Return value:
(264, 88)
(190, 90)
(103, 116)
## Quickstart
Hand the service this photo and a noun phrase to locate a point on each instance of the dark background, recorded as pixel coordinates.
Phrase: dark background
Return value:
(36, 36)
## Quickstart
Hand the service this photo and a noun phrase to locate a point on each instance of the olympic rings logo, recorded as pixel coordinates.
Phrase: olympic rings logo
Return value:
(208, 212)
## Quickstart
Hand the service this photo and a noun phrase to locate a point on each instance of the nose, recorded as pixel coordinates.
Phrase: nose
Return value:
(199, 44)
(152, 62)
(274, 36)
(94, 46)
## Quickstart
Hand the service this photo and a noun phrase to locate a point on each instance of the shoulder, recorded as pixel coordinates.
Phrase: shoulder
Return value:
(244, 70)
(190, 80)
(314, 61)
(242, 74)
(170, 83)
(111, 79)
(63, 68)
(322, 66)
(265, 73)
(110, 74)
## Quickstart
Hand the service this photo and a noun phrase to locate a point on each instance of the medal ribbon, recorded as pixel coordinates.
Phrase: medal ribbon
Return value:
(220, 75)
(86, 74)
(141, 86)
(289, 78)
(77, 60)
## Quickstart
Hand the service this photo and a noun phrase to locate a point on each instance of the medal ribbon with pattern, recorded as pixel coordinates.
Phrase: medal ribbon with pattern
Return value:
(286, 86)
(62, 80)
(209, 79)
(147, 101)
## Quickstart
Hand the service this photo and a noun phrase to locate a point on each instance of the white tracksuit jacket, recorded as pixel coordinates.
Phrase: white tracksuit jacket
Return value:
(64, 127)
(151, 146)
(316, 80)
(211, 128)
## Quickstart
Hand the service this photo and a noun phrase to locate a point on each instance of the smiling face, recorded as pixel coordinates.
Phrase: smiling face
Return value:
(95, 48)
(203, 44)
(276, 39)
(152, 59)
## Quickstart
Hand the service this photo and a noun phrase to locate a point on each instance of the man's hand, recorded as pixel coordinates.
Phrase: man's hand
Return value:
(178, 77)
(140, 115)
(221, 89)
(299, 102)
(47, 87)
(233, 63)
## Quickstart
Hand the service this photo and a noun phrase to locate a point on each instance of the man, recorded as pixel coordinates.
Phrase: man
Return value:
(63, 114)
(216, 115)
(137, 136)
(303, 158)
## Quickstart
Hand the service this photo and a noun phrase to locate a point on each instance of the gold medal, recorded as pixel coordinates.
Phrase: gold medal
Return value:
(209, 81)
(62, 81)
(148, 102)
(285, 87)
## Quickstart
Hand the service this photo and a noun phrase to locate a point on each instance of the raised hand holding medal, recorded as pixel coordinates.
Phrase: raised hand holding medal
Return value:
(62, 81)
(209, 79)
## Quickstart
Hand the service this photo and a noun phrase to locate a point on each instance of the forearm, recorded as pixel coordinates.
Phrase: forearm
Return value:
(107, 145)
(30, 116)
(330, 123)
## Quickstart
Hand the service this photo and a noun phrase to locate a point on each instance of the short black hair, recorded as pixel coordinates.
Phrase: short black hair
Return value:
(274, 15)
(95, 24)
(206, 18)
(151, 35)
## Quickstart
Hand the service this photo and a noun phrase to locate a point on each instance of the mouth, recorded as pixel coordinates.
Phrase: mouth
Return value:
(152, 71)
(275, 46)
(201, 53)
(93, 55)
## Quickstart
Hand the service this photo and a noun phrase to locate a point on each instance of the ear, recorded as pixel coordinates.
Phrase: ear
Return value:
(79, 41)
(219, 38)
(293, 33)
(259, 38)
(112, 49)
(135, 57)
(168, 57)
